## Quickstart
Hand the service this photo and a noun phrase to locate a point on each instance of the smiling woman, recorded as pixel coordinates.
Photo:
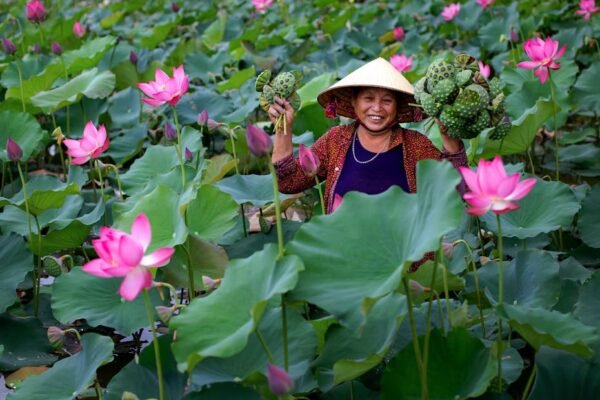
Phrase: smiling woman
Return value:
(371, 154)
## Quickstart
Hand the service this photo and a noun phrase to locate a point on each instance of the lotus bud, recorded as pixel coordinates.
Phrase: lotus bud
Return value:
(212, 124)
(129, 396)
(399, 33)
(164, 313)
(189, 156)
(35, 11)
(13, 150)
(210, 283)
(133, 58)
(309, 162)
(56, 336)
(78, 29)
(259, 142)
(280, 382)
(170, 132)
(447, 249)
(174, 7)
(37, 49)
(203, 117)
(9, 46)
(514, 36)
(416, 288)
(56, 48)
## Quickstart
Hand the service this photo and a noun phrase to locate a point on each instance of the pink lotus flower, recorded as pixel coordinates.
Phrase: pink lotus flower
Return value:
(309, 162)
(484, 3)
(35, 11)
(401, 62)
(259, 142)
(491, 189)
(91, 145)
(484, 70)
(399, 33)
(13, 150)
(450, 11)
(78, 29)
(164, 89)
(543, 55)
(262, 5)
(122, 255)
(587, 8)
(280, 382)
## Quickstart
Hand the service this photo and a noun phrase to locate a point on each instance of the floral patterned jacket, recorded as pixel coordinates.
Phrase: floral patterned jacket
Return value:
(331, 149)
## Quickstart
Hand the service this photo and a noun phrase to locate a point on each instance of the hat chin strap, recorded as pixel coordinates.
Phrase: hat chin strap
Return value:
(385, 128)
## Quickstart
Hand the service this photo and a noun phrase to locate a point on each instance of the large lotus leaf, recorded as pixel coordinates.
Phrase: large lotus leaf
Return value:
(125, 108)
(347, 355)
(161, 206)
(43, 192)
(217, 167)
(215, 32)
(211, 214)
(247, 246)
(311, 118)
(91, 83)
(521, 134)
(236, 80)
(127, 143)
(309, 91)
(235, 308)
(71, 376)
(204, 67)
(364, 257)
(16, 262)
(70, 237)
(584, 95)
(214, 103)
(302, 343)
(24, 129)
(41, 81)
(347, 390)
(222, 391)
(573, 270)
(156, 160)
(589, 218)
(158, 33)
(541, 327)
(562, 375)
(245, 103)
(254, 189)
(531, 279)
(88, 55)
(78, 295)
(29, 65)
(587, 308)
(139, 376)
(25, 343)
(549, 206)
(459, 367)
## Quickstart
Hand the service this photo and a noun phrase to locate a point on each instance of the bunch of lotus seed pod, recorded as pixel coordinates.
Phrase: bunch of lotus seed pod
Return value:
(463, 99)
(284, 86)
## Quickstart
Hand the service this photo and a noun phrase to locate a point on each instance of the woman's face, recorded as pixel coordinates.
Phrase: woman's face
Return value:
(375, 107)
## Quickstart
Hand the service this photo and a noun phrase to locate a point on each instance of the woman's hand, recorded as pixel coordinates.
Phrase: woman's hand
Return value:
(451, 145)
(282, 145)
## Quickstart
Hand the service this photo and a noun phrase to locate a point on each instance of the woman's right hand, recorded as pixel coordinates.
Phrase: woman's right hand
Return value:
(280, 107)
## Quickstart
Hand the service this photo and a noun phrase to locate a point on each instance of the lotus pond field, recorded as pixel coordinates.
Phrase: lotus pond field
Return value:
(146, 252)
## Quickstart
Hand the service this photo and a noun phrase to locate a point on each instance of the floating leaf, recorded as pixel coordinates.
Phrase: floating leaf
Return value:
(211, 214)
(586, 308)
(156, 160)
(43, 192)
(16, 263)
(254, 189)
(589, 218)
(36, 350)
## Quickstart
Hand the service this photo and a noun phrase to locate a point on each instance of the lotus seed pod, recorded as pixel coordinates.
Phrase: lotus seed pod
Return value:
(498, 103)
(482, 121)
(129, 396)
(495, 87)
(440, 69)
(467, 104)
(445, 91)
(295, 101)
(52, 266)
(500, 131)
(265, 226)
(430, 106)
(463, 78)
(430, 85)
(264, 103)
(262, 79)
(463, 60)
(284, 84)
(484, 97)
(450, 118)
(297, 75)
(419, 89)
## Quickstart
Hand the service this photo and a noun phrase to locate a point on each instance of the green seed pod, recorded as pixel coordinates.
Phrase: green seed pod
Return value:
(484, 97)
(500, 131)
(495, 87)
(467, 104)
(440, 69)
(445, 91)
(263, 102)
(463, 78)
(53, 266)
(269, 93)
(430, 106)
(419, 89)
(284, 84)
(262, 79)
(295, 101)
(450, 118)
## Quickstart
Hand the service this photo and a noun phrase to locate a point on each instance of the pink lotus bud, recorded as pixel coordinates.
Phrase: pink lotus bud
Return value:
(164, 313)
(37, 49)
(203, 117)
(174, 7)
(484, 69)
(78, 29)
(56, 336)
(309, 162)
(416, 288)
(133, 58)
(188, 155)
(13, 150)
(447, 249)
(9, 46)
(35, 11)
(280, 382)
(212, 124)
(259, 142)
(170, 132)
(210, 283)
(56, 49)
(399, 33)
(514, 36)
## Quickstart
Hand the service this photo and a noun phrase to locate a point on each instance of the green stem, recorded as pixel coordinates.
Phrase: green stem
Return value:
(262, 341)
(428, 320)
(237, 171)
(277, 211)
(529, 383)
(30, 235)
(23, 50)
(284, 332)
(39, 263)
(98, 390)
(101, 180)
(179, 148)
(476, 278)
(320, 194)
(159, 371)
(20, 84)
(244, 220)
(415, 338)
(114, 168)
(446, 291)
(352, 390)
(500, 298)
(3, 178)
(42, 39)
(191, 288)
(440, 311)
(93, 181)
(553, 98)
(531, 166)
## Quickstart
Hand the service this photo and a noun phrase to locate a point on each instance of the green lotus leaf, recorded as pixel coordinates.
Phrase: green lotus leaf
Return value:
(217, 167)
(459, 367)
(221, 391)
(211, 214)
(584, 95)
(562, 375)
(16, 263)
(91, 83)
(586, 308)
(78, 295)
(571, 269)
(589, 218)
(549, 206)
(236, 80)
(254, 189)
(43, 192)
(201, 66)
(424, 274)
(157, 34)
(531, 279)
(309, 91)
(24, 129)
(127, 143)
(235, 308)
(88, 55)
(541, 327)
(156, 160)
(125, 108)
(302, 343)
(33, 85)
(70, 237)
(71, 376)
(365, 258)
(245, 247)
(214, 33)
(18, 353)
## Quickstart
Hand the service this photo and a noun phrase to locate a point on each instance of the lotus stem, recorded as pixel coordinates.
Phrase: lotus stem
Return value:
(529, 382)
(446, 292)
(284, 332)
(179, 149)
(429, 308)
(500, 298)
(28, 218)
(320, 194)
(237, 170)
(553, 98)
(476, 278)
(415, 340)
(440, 312)
(98, 389)
(244, 219)
(277, 211)
(159, 371)
(3, 178)
(262, 341)
(114, 168)
(101, 182)
(191, 288)
(20, 83)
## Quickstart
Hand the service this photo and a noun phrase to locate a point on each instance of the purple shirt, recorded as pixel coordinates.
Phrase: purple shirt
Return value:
(375, 177)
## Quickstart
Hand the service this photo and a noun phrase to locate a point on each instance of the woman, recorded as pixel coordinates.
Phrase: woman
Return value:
(374, 152)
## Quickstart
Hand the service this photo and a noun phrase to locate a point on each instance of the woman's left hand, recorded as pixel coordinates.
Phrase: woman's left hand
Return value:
(451, 145)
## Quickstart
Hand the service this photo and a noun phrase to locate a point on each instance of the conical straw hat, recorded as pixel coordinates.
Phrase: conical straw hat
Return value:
(377, 73)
